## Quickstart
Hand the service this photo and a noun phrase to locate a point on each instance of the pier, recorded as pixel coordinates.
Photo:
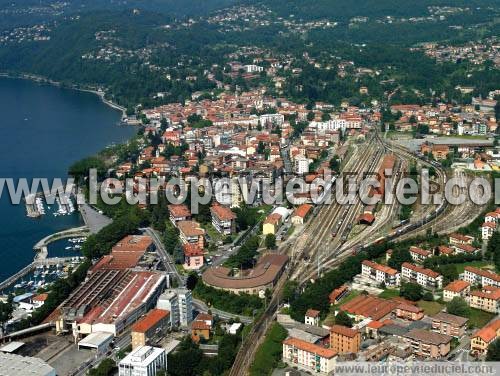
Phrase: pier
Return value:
(29, 268)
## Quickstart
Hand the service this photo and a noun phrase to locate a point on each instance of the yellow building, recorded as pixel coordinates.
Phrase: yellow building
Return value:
(271, 224)
(484, 337)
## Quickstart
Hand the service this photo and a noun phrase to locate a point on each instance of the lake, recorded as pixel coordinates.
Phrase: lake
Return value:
(43, 130)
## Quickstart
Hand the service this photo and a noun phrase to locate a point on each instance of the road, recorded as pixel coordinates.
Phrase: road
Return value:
(165, 256)
(202, 307)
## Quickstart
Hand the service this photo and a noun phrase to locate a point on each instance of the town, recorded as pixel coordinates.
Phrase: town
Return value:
(221, 271)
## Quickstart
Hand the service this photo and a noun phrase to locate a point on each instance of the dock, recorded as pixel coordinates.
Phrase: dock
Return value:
(31, 267)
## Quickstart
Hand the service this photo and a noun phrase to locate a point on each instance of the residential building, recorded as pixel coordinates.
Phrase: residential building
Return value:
(169, 301)
(179, 213)
(154, 324)
(193, 257)
(143, 361)
(476, 276)
(488, 229)
(409, 312)
(301, 165)
(487, 299)
(223, 219)
(451, 325)
(302, 354)
(419, 254)
(380, 273)
(191, 232)
(312, 317)
(180, 304)
(456, 288)
(344, 340)
(484, 337)
(426, 278)
(426, 344)
(201, 327)
(455, 239)
(185, 306)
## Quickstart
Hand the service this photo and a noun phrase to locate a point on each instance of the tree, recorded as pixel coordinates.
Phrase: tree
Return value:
(171, 237)
(106, 368)
(428, 296)
(493, 353)
(343, 319)
(270, 241)
(493, 248)
(191, 281)
(411, 291)
(458, 306)
(5, 313)
(398, 257)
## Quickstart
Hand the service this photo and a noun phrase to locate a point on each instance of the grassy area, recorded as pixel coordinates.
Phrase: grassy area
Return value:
(268, 354)
(477, 264)
(430, 308)
(478, 318)
(389, 293)
(352, 294)
(212, 232)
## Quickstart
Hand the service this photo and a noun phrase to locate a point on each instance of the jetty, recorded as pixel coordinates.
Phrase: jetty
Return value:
(29, 268)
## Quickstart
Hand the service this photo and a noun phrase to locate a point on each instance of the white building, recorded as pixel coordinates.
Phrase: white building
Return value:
(426, 278)
(488, 229)
(301, 165)
(308, 356)
(185, 306)
(180, 304)
(380, 273)
(476, 276)
(11, 364)
(143, 361)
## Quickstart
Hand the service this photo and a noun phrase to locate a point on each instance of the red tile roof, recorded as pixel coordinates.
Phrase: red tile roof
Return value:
(309, 347)
(223, 212)
(150, 320)
(343, 330)
(312, 313)
(303, 210)
(382, 268)
(457, 286)
(428, 272)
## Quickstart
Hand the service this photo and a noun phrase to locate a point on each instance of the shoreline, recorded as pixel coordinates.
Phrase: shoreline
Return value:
(45, 80)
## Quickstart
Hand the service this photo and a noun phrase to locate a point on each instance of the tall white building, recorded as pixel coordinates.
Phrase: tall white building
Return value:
(185, 306)
(180, 304)
(170, 302)
(143, 361)
(301, 165)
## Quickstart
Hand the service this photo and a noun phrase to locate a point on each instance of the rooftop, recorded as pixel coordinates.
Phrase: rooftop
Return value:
(310, 347)
(457, 286)
(343, 330)
(11, 364)
(223, 212)
(429, 337)
(428, 272)
(152, 318)
(450, 319)
(265, 272)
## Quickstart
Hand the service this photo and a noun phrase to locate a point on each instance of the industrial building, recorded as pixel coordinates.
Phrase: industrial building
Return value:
(11, 364)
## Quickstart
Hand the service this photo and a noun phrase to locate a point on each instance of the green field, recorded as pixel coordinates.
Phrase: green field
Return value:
(389, 293)
(477, 264)
(478, 318)
(430, 308)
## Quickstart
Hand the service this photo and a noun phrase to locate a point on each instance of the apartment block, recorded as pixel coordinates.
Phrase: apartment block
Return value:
(451, 325)
(426, 278)
(308, 356)
(476, 276)
(455, 289)
(380, 273)
(344, 340)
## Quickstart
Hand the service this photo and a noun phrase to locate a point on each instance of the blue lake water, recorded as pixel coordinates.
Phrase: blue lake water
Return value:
(43, 130)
